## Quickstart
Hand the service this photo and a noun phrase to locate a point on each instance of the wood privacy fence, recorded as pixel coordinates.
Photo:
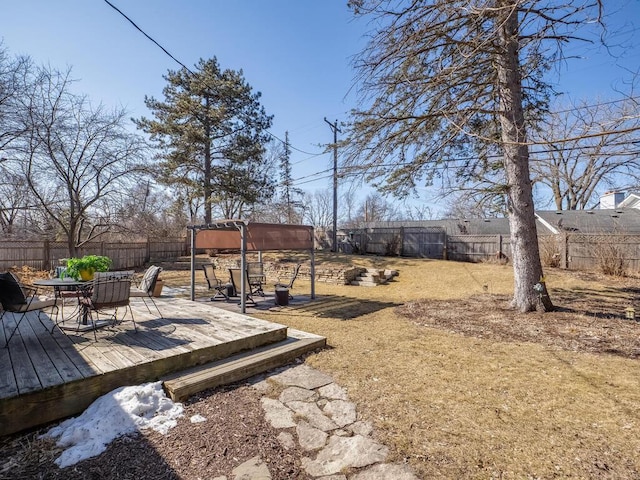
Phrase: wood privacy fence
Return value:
(567, 250)
(44, 255)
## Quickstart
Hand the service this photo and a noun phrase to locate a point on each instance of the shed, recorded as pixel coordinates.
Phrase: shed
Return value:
(250, 237)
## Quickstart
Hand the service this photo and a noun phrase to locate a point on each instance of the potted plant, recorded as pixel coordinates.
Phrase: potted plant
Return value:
(84, 268)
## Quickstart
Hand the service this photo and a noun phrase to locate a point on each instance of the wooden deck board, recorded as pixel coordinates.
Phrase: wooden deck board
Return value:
(46, 376)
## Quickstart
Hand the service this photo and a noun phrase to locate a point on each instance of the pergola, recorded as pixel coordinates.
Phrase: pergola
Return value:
(250, 237)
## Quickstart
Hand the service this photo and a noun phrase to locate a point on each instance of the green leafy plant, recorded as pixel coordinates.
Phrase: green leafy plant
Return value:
(88, 263)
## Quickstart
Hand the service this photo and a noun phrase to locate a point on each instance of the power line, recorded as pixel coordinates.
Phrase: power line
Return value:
(188, 69)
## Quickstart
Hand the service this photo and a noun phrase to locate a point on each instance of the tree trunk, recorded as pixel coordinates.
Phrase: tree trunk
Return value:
(529, 290)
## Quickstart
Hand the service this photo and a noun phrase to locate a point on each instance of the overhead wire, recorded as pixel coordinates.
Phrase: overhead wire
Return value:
(189, 70)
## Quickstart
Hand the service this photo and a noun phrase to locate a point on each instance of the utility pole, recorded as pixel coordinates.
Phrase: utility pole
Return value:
(335, 129)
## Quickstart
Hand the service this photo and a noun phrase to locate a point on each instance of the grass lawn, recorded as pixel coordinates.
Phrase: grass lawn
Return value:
(463, 387)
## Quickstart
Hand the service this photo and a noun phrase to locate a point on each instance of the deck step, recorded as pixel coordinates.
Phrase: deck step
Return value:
(181, 385)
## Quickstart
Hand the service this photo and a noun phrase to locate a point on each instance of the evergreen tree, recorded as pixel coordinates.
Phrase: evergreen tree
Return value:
(289, 194)
(211, 131)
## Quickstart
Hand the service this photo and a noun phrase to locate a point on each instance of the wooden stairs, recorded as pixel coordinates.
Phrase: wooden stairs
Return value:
(181, 385)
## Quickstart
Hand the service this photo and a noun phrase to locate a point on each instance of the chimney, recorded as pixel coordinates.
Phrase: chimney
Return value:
(611, 200)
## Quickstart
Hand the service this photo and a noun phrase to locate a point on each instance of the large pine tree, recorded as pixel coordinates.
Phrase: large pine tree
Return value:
(446, 86)
(211, 131)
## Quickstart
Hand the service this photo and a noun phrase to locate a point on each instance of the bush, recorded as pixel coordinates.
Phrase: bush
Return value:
(549, 251)
(611, 258)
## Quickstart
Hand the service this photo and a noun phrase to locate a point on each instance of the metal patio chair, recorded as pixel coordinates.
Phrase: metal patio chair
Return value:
(146, 288)
(21, 299)
(215, 283)
(255, 272)
(236, 280)
(109, 292)
(289, 284)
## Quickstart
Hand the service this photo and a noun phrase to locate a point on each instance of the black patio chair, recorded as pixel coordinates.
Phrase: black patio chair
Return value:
(289, 284)
(255, 271)
(21, 299)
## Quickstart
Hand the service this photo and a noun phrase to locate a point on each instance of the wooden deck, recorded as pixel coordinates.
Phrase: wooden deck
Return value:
(45, 377)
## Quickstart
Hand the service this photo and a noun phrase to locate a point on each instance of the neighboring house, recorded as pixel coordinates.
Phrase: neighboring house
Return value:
(618, 220)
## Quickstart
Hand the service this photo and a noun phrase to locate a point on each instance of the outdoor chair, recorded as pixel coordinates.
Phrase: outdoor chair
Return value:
(289, 285)
(65, 292)
(236, 280)
(215, 283)
(109, 291)
(255, 272)
(21, 299)
(146, 288)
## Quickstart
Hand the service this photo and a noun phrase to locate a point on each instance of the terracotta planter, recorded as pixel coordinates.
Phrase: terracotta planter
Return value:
(157, 290)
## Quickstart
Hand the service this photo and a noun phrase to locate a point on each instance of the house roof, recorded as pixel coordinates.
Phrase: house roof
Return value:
(618, 220)
(631, 201)
(466, 226)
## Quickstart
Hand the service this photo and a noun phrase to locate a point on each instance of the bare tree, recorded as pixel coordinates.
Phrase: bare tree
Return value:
(585, 147)
(448, 85)
(78, 161)
(318, 209)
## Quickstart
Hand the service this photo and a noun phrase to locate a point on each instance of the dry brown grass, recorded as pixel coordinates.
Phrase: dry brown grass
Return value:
(462, 394)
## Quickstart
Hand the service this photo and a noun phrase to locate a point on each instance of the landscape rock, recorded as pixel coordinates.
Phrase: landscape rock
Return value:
(277, 414)
(286, 440)
(310, 438)
(333, 392)
(252, 469)
(343, 413)
(312, 413)
(292, 394)
(386, 471)
(303, 376)
(361, 428)
(341, 453)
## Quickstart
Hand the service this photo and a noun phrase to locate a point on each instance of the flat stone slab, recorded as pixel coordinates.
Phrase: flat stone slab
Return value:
(252, 469)
(277, 414)
(345, 452)
(303, 376)
(293, 394)
(312, 413)
(311, 438)
(386, 471)
(333, 391)
(343, 413)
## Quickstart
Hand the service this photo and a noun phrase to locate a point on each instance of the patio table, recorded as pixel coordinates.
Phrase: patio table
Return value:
(58, 285)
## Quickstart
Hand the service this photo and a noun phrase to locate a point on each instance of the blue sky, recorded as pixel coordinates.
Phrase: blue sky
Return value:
(296, 52)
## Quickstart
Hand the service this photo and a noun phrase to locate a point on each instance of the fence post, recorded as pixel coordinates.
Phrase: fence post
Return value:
(500, 255)
(445, 246)
(147, 254)
(46, 261)
(401, 252)
(564, 250)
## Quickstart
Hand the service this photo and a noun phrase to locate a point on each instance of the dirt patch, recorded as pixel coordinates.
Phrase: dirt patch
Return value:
(585, 327)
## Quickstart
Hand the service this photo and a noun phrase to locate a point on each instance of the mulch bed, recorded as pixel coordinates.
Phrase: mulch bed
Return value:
(234, 432)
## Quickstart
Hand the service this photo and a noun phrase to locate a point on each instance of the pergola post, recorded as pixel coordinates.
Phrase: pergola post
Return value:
(243, 268)
(313, 274)
(193, 264)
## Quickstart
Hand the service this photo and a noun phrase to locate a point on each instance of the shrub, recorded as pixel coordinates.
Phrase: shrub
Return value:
(611, 258)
